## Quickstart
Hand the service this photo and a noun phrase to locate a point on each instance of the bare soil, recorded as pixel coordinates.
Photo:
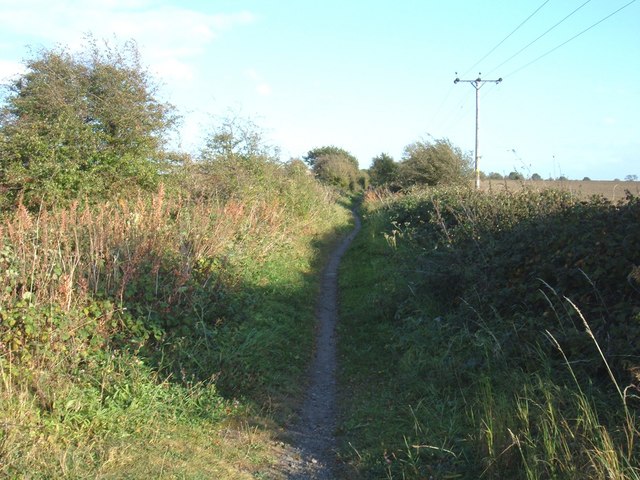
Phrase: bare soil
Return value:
(313, 452)
(611, 189)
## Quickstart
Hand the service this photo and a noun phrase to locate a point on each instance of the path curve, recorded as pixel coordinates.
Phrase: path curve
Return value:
(313, 434)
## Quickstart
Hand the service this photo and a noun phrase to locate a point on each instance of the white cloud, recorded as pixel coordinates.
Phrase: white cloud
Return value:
(127, 18)
(167, 36)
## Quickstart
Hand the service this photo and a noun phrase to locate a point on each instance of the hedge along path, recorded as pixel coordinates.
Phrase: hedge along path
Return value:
(313, 433)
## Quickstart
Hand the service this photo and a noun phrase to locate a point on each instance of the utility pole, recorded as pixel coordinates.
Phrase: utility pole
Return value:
(477, 84)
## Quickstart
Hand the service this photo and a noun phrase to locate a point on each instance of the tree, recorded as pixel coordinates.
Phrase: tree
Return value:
(631, 178)
(516, 176)
(237, 138)
(536, 177)
(336, 166)
(337, 169)
(81, 123)
(383, 170)
(495, 176)
(586, 179)
(235, 160)
(364, 179)
(297, 166)
(434, 163)
(312, 156)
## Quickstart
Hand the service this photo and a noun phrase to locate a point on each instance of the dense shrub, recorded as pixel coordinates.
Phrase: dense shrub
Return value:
(502, 333)
(507, 253)
(434, 163)
(81, 125)
(193, 297)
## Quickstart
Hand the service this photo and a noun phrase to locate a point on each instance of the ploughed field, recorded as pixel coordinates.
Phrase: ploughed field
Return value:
(612, 189)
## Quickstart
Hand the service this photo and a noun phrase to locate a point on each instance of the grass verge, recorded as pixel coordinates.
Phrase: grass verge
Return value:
(162, 336)
(442, 384)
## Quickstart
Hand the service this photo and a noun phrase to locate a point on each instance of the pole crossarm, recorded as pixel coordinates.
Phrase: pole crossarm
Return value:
(477, 84)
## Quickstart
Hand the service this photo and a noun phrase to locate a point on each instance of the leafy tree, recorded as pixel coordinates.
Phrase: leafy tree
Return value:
(313, 155)
(336, 166)
(536, 177)
(337, 169)
(237, 138)
(234, 160)
(85, 123)
(383, 170)
(516, 176)
(434, 163)
(586, 179)
(495, 176)
(631, 178)
(297, 165)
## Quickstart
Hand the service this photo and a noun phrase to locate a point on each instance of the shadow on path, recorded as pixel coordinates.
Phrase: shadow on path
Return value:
(313, 434)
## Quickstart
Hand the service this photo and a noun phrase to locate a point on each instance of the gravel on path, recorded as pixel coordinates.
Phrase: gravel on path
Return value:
(313, 436)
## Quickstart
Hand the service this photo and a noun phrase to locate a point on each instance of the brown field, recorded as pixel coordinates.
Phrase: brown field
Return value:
(613, 190)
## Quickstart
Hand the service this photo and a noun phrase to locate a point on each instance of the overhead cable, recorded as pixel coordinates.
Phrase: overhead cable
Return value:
(572, 38)
(538, 38)
(505, 38)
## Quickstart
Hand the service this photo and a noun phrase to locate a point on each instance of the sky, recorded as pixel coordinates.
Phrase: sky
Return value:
(373, 76)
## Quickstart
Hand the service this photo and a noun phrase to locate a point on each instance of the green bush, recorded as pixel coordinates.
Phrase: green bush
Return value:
(497, 337)
(200, 300)
(81, 125)
(433, 163)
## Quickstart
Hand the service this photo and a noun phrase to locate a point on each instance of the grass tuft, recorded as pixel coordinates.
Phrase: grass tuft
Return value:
(164, 335)
(459, 366)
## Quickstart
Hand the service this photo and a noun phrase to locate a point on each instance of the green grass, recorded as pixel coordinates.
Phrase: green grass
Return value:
(380, 425)
(439, 385)
(116, 419)
(161, 337)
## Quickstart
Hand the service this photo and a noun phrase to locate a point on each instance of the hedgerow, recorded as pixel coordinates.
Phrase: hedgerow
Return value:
(123, 319)
(508, 255)
(498, 337)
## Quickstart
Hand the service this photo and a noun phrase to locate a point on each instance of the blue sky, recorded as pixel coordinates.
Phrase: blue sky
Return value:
(373, 76)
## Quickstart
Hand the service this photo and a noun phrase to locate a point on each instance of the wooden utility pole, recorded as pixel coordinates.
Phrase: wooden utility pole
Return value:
(477, 84)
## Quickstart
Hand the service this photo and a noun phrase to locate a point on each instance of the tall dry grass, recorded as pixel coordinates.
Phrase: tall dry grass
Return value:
(117, 319)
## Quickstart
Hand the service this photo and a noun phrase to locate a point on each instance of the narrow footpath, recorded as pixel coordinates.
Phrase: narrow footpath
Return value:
(313, 434)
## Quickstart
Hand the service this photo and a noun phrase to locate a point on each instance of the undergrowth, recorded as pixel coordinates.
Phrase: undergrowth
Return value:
(492, 336)
(158, 335)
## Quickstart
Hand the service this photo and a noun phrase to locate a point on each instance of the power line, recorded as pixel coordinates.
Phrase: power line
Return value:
(538, 38)
(453, 119)
(505, 38)
(461, 112)
(439, 109)
(451, 116)
(572, 38)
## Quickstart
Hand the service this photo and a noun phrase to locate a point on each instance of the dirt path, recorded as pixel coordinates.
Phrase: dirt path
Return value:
(313, 435)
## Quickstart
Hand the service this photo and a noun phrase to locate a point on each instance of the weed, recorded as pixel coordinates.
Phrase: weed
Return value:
(146, 337)
(449, 368)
